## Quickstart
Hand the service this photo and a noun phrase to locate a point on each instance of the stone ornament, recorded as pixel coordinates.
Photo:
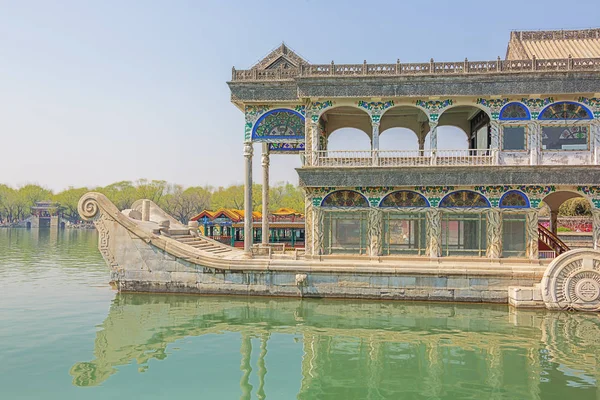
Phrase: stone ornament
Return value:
(572, 281)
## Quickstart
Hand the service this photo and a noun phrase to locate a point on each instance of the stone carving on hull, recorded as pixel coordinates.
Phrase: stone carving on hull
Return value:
(572, 281)
(90, 210)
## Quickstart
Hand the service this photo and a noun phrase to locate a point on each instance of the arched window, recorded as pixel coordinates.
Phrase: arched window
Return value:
(345, 198)
(565, 110)
(279, 124)
(514, 199)
(563, 136)
(464, 198)
(514, 112)
(404, 198)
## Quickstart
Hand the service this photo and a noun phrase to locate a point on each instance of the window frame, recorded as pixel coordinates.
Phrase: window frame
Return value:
(561, 123)
(519, 124)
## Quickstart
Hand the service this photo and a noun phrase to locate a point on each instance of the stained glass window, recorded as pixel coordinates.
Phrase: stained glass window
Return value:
(514, 199)
(345, 232)
(514, 111)
(565, 137)
(282, 124)
(565, 110)
(464, 234)
(514, 236)
(464, 198)
(404, 233)
(514, 138)
(404, 198)
(345, 198)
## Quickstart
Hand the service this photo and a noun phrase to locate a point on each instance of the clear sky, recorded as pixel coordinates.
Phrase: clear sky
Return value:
(93, 92)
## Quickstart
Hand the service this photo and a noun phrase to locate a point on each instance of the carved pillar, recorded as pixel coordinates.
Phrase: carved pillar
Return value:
(595, 141)
(554, 221)
(433, 142)
(308, 223)
(375, 142)
(314, 133)
(265, 194)
(532, 234)
(375, 232)
(307, 139)
(434, 233)
(248, 234)
(494, 233)
(318, 231)
(535, 143)
(596, 227)
(495, 141)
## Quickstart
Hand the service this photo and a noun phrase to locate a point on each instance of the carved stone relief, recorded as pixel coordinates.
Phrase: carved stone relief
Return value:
(572, 281)
(494, 233)
(434, 233)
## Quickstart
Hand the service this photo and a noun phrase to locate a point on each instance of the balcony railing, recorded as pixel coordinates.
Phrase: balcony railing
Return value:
(404, 158)
(427, 68)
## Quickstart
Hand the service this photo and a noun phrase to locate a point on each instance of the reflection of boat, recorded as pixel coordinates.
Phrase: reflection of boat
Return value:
(393, 347)
(148, 250)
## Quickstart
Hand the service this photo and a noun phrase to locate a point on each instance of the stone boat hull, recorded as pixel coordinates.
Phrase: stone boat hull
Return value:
(155, 253)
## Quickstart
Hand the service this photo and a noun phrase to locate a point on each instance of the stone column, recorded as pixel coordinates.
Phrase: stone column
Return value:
(314, 133)
(375, 232)
(532, 234)
(494, 233)
(265, 194)
(596, 227)
(145, 210)
(318, 234)
(595, 141)
(495, 142)
(248, 234)
(433, 142)
(434, 233)
(535, 143)
(308, 223)
(554, 221)
(375, 142)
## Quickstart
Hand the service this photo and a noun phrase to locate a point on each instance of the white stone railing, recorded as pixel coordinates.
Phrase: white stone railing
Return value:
(403, 158)
(427, 68)
(546, 254)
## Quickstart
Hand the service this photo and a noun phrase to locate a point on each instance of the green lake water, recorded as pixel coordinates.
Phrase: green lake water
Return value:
(65, 334)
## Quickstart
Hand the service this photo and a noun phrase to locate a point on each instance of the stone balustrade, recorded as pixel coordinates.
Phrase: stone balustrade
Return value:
(429, 68)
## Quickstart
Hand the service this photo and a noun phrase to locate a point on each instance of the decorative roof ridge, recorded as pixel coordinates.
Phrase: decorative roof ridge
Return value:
(562, 34)
(282, 50)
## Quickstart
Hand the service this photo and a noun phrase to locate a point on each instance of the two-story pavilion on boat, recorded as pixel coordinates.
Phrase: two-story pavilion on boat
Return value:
(450, 221)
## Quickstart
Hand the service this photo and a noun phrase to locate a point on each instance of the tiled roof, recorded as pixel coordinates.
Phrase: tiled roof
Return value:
(554, 44)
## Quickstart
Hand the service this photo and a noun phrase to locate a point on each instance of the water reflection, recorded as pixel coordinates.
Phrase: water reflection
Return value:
(363, 349)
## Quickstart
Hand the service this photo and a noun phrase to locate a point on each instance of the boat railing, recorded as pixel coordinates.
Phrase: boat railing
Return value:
(404, 158)
(546, 254)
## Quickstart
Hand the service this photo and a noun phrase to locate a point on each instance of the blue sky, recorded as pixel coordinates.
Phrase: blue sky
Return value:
(96, 92)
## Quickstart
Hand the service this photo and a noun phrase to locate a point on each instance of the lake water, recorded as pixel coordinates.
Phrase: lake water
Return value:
(65, 334)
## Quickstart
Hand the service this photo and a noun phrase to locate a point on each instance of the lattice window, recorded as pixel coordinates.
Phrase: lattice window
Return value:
(565, 111)
(514, 199)
(345, 198)
(514, 111)
(404, 198)
(555, 137)
(283, 124)
(464, 198)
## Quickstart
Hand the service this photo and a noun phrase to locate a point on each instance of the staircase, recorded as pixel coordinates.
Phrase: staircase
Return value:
(204, 244)
(549, 242)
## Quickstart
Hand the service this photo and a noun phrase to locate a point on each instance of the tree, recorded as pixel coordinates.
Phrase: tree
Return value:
(151, 190)
(577, 206)
(122, 193)
(184, 204)
(68, 200)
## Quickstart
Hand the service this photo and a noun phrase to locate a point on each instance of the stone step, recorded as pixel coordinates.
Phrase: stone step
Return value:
(179, 231)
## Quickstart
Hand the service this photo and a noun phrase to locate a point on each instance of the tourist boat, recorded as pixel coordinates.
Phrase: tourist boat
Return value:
(422, 224)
